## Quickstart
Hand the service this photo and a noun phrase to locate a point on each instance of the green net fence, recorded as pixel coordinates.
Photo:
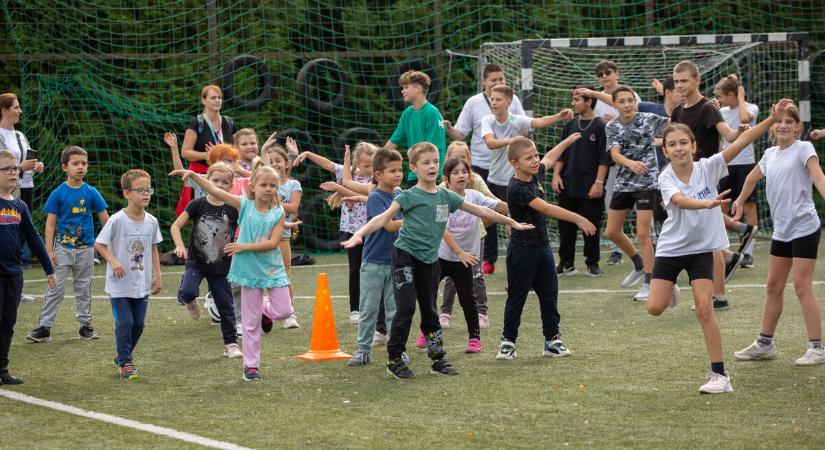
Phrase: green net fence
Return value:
(113, 76)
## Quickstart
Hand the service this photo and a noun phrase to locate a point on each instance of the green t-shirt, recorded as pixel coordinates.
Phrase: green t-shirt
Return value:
(425, 218)
(423, 125)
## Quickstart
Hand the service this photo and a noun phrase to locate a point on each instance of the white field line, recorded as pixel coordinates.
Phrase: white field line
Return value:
(148, 428)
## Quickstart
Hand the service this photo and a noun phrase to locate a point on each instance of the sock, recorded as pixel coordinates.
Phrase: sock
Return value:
(765, 339)
(743, 227)
(815, 343)
(748, 250)
(718, 367)
(719, 297)
(637, 261)
(647, 278)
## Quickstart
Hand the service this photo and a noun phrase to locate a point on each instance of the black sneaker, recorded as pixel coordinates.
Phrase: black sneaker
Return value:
(443, 367)
(747, 261)
(87, 332)
(566, 270)
(398, 369)
(719, 304)
(614, 258)
(732, 265)
(7, 378)
(746, 237)
(251, 374)
(39, 334)
(266, 324)
(593, 270)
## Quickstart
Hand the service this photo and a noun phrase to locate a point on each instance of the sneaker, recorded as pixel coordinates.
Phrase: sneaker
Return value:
(614, 258)
(97, 261)
(487, 268)
(266, 323)
(251, 374)
(443, 367)
(473, 346)
(216, 322)
(720, 303)
(675, 294)
(746, 237)
(633, 277)
(26, 298)
(555, 349)
(7, 378)
(87, 332)
(506, 350)
(128, 372)
(354, 318)
(641, 296)
(291, 322)
(593, 270)
(379, 339)
(239, 330)
(193, 310)
(717, 384)
(399, 369)
(732, 265)
(232, 351)
(746, 262)
(39, 334)
(405, 358)
(566, 270)
(359, 358)
(421, 342)
(444, 320)
(756, 351)
(812, 357)
(483, 321)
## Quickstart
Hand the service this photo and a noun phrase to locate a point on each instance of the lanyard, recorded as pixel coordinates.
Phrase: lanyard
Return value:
(212, 130)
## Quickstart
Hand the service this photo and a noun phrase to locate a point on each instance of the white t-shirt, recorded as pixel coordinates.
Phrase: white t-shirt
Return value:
(8, 140)
(464, 227)
(693, 231)
(788, 187)
(516, 125)
(131, 243)
(601, 109)
(731, 116)
(475, 109)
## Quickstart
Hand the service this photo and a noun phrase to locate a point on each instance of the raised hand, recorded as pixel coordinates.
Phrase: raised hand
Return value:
(183, 173)
(171, 139)
(291, 145)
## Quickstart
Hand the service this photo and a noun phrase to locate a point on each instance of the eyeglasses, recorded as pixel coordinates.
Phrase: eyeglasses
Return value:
(143, 191)
(604, 73)
(10, 170)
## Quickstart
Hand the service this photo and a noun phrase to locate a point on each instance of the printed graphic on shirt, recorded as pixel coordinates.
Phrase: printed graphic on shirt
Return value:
(137, 249)
(10, 216)
(442, 213)
(211, 235)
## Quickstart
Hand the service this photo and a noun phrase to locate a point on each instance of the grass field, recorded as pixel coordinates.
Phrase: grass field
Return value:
(632, 381)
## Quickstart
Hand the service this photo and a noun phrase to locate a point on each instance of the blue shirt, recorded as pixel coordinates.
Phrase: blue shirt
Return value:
(16, 224)
(378, 245)
(73, 208)
(257, 269)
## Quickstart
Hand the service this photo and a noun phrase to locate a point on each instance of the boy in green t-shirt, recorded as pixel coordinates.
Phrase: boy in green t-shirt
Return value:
(415, 270)
(420, 122)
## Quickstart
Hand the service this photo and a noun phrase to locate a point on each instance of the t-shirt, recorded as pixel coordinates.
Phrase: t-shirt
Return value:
(131, 243)
(257, 269)
(731, 116)
(73, 208)
(636, 141)
(15, 226)
(285, 191)
(378, 245)
(425, 218)
(475, 109)
(212, 228)
(519, 195)
(8, 141)
(788, 189)
(464, 227)
(659, 110)
(355, 216)
(516, 125)
(422, 125)
(602, 109)
(583, 158)
(693, 231)
(702, 119)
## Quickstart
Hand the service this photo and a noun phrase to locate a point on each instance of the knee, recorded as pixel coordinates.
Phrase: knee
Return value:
(704, 311)
(643, 236)
(802, 288)
(655, 309)
(612, 233)
(775, 289)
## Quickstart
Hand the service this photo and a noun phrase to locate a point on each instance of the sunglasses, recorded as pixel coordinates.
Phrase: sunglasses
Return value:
(604, 73)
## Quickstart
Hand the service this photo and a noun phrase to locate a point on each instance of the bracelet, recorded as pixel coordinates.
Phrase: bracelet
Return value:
(600, 181)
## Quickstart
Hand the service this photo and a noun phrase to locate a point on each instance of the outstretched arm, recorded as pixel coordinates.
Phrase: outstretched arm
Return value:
(493, 143)
(172, 141)
(583, 92)
(322, 162)
(553, 155)
(492, 216)
(752, 134)
(683, 202)
(231, 200)
(373, 225)
(750, 184)
(546, 121)
(562, 214)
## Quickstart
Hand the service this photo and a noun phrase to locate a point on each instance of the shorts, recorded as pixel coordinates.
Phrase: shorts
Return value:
(644, 200)
(803, 247)
(736, 180)
(698, 267)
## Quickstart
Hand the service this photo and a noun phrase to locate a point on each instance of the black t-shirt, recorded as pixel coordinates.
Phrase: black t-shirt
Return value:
(701, 118)
(519, 195)
(583, 158)
(205, 134)
(212, 228)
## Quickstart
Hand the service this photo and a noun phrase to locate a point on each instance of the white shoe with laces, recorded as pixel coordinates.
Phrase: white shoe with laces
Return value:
(675, 294)
(633, 278)
(354, 318)
(717, 384)
(644, 291)
(232, 351)
(756, 351)
(291, 322)
(379, 339)
(812, 357)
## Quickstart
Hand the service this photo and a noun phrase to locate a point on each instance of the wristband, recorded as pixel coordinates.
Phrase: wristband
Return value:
(600, 181)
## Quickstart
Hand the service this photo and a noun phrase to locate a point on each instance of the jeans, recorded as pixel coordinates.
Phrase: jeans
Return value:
(221, 292)
(130, 314)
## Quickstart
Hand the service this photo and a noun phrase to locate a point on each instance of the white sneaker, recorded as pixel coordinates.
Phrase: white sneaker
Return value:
(239, 330)
(232, 351)
(444, 320)
(354, 318)
(756, 351)
(26, 298)
(717, 384)
(291, 322)
(675, 294)
(379, 339)
(483, 321)
(641, 296)
(506, 350)
(633, 277)
(812, 357)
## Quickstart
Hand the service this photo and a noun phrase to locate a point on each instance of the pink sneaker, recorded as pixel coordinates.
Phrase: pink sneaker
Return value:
(473, 346)
(421, 342)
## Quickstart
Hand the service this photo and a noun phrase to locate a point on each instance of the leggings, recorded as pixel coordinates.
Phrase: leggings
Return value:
(278, 307)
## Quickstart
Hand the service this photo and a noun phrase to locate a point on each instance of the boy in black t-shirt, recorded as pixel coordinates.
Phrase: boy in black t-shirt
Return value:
(529, 258)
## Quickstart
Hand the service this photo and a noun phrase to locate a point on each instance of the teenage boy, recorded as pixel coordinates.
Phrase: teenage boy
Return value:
(129, 244)
(420, 122)
(15, 226)
(70, 210)
(529, 257)
(376, 260)
(415, 270)
(476, 108)
(578, 178)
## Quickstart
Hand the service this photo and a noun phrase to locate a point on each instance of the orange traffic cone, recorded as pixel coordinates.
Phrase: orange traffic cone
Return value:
(323, 345)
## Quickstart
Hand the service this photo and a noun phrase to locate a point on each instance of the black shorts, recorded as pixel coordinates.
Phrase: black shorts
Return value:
(736, 180)
(644, 200)
(698, 267)
(804, 247)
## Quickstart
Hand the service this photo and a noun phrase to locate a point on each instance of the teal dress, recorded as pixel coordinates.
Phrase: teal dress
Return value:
(257, 269)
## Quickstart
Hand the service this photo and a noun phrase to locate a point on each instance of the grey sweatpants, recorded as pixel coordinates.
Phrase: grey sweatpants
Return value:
(81, 262)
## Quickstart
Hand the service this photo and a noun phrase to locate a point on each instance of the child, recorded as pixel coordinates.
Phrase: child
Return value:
(694, 229)
(353, 214)
(15, 225)
(246, 140)
(129, 244)
(257, 264)
(69, 210)
(630, 141)
(415, 270)
(529, 257)
(790, 168)
(213, 227)
(375, 266)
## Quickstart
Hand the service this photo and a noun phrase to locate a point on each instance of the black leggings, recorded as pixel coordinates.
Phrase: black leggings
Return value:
(463, 279)
(354, 258)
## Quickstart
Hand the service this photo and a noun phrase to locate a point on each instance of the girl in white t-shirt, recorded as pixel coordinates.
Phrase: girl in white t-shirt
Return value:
(791, 167)
(692, 232)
